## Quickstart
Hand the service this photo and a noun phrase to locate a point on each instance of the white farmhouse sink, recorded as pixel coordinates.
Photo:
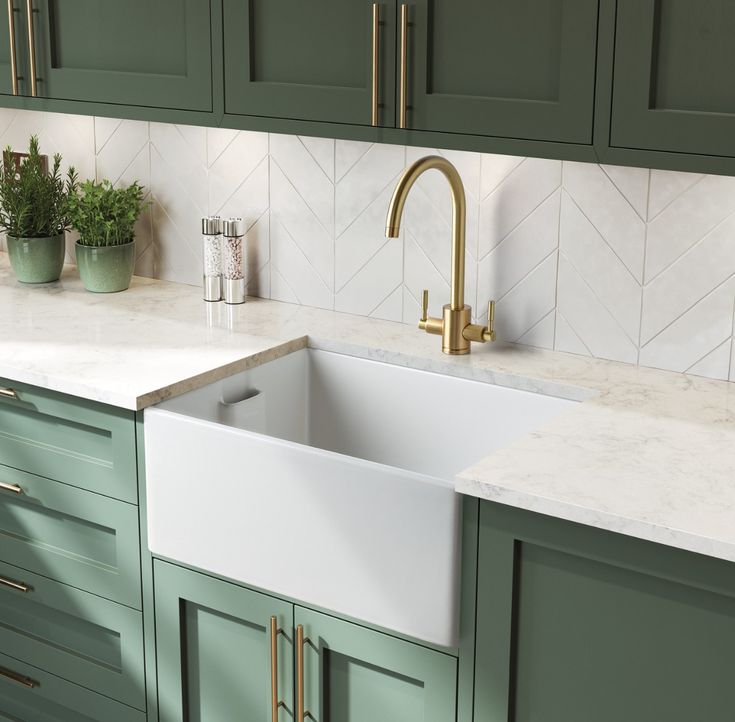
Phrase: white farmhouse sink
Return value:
(328, 479)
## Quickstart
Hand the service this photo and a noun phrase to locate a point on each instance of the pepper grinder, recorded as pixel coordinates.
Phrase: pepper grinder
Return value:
(212, 250)
(233, 230)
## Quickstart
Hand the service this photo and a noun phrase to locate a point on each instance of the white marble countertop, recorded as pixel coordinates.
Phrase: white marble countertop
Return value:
(648, 453)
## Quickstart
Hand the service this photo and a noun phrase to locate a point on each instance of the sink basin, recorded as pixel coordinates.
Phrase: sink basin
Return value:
(329, 479)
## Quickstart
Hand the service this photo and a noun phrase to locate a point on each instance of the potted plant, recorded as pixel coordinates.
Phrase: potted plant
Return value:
(105, 217)
(34, 212)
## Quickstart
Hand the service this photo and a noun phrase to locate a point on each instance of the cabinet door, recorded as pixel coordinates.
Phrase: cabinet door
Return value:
(138, 52)
(577, 624)
(308, 60)
(354, 674)
(507, 68)
(213, 649)
(6, 76)
(673, 88)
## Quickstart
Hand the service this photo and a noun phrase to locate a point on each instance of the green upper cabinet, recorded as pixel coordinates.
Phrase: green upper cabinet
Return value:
(310, 61)
(19, 35)
(354, 674)
(138, 52)
(577, 624)
(673, 88)
(509, 68)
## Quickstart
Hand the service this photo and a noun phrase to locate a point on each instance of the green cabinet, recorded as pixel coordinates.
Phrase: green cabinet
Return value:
(509, 68)
(309, 61)
(672, 87)
(215, 644)
(156, 54)
(577, 624)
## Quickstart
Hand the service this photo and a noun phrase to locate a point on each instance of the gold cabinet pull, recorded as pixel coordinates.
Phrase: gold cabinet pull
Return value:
(402, 88)
(301, 713)
(19, 678)
(13, 488)
(32, 48)
(4, 391)
(18, 586)
(275, 702)
(13, 56)
(375, 104)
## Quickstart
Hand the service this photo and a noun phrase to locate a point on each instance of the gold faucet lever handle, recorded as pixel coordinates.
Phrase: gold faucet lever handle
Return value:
(489, 332)
(424, 305)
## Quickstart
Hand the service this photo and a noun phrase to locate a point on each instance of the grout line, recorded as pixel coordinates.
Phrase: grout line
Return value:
(643, 276)
(702, 358)
(535, 324)
(558, 252)
(676, 197)
(620, 192)
(382, 301)
(576, 335)
(270, 219)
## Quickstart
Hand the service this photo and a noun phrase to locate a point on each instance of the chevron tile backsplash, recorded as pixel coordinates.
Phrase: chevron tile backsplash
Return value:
(628, 264)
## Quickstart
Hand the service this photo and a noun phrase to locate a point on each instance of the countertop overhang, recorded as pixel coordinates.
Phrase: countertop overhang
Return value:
(647, 453)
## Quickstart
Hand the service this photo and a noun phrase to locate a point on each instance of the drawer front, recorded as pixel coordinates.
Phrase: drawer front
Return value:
(52, 699)
(79, 442)
(83, 539)
(73, 634)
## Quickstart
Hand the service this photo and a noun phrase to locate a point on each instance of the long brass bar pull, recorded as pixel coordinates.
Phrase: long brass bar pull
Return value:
(375, 98)
(32, 48)
(275, 702)
(13, 488)
(18, 586)
(13, 53)
(19, 678)
(301, 713)
(403, 81)
(8, 393)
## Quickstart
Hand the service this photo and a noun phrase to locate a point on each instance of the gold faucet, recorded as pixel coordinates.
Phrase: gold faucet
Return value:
(455, 325)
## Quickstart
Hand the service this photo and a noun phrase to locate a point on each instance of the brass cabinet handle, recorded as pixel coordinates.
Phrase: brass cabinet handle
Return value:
(18, 586)
(402, 89)
(32, 48)
(374, 118)
(13, 58)
(301, 713)
(275, 702)
(4, 391)
(19, 678)
(14, 488)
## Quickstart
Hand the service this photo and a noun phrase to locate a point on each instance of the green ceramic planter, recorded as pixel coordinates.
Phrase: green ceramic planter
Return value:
(106, 269)
(37, 260)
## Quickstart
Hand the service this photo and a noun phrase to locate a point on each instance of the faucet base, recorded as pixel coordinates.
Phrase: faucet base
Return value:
(453, 324)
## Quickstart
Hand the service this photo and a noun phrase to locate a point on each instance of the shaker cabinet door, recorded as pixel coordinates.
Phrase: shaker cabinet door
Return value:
(506, 68)
(309, 61)
(673, 84)
(155, 53)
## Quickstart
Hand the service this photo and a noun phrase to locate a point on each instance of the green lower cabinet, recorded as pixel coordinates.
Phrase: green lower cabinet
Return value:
(213, 644)
(354, 674)
(577, 624)
(29, 694)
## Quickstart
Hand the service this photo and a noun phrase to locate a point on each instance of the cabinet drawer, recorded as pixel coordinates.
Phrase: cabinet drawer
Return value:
(52, 699)
(73, 634)
(79, 442)
(74, 536)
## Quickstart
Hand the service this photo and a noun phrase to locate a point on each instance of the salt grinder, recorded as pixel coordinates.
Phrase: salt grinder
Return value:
(233, 279)
(212, 250)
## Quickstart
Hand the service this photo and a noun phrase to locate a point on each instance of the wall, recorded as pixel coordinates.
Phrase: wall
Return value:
(628, 264)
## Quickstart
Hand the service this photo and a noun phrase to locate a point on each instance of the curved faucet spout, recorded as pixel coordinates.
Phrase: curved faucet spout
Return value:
(398, 201)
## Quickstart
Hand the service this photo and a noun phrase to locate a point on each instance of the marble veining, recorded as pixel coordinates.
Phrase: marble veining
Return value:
(647, 453)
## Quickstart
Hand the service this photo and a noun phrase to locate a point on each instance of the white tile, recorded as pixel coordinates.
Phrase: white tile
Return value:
(687, 220)
(421, 273)
(516, 197)
(257, 255)
(392, 308)
(322, 151)
(175, 258)
(608, 211)
(218, 140)
(495, 169)
(604, 274)
(249, 200)
(125, 157)
(633, 184)
(666, 187)
(542, 334)
(732, 361)
(694, 334)
(716, 364)
(693, 276)
(347, 153)
(566, 338)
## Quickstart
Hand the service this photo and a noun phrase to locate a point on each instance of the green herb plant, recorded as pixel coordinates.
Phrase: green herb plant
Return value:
(105, 215)
(34, 202)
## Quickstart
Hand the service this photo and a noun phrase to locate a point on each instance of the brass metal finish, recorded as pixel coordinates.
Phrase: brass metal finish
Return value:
(13, 53)
(375, 104)
(455, 325)
(18, 586)
(14, 488)
(19, 678)
(8, 393)
(300, 641)
(275, 703)
(32, 49)
(403, 80)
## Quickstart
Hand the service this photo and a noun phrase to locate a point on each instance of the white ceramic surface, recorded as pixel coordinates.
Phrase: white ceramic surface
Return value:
(329, 479)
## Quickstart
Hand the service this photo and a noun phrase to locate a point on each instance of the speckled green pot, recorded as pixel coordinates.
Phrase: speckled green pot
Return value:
(36, 260)
(106, 269)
